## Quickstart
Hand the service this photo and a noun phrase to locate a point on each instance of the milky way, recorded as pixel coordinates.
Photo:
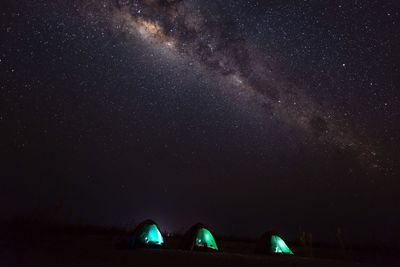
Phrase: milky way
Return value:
(269, 114)
(185, 31)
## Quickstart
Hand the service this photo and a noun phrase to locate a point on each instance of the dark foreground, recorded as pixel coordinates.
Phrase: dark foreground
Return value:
(61, 249)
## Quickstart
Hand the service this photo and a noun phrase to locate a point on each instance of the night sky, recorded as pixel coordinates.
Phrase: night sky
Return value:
(244, 115)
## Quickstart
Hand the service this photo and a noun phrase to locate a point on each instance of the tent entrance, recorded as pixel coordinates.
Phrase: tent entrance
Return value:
(205, 239)
(279, 246)
(150, 235)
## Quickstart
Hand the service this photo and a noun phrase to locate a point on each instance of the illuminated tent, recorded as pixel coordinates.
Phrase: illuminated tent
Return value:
(198, 237)
(271, 243)
(146, 234)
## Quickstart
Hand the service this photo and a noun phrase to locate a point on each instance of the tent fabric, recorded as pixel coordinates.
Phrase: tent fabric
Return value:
(199, 237)
(146, 234)
(272, 243)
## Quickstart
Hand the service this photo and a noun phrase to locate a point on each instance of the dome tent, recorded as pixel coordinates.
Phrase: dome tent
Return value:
(272, 243)
(198, 237)
(146, 234)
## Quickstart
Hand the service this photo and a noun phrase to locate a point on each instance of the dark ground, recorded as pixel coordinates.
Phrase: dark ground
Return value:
(89, 246)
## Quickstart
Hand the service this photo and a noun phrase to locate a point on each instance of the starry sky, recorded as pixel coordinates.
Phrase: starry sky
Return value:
(244, 115)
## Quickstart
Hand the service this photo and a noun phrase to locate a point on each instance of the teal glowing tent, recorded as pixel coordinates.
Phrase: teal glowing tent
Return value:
(198, 237)
(147, 234)
(271, 243)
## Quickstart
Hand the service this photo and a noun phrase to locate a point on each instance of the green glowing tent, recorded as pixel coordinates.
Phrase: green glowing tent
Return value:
(198, 237)
(271, 243)
(147, 234)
